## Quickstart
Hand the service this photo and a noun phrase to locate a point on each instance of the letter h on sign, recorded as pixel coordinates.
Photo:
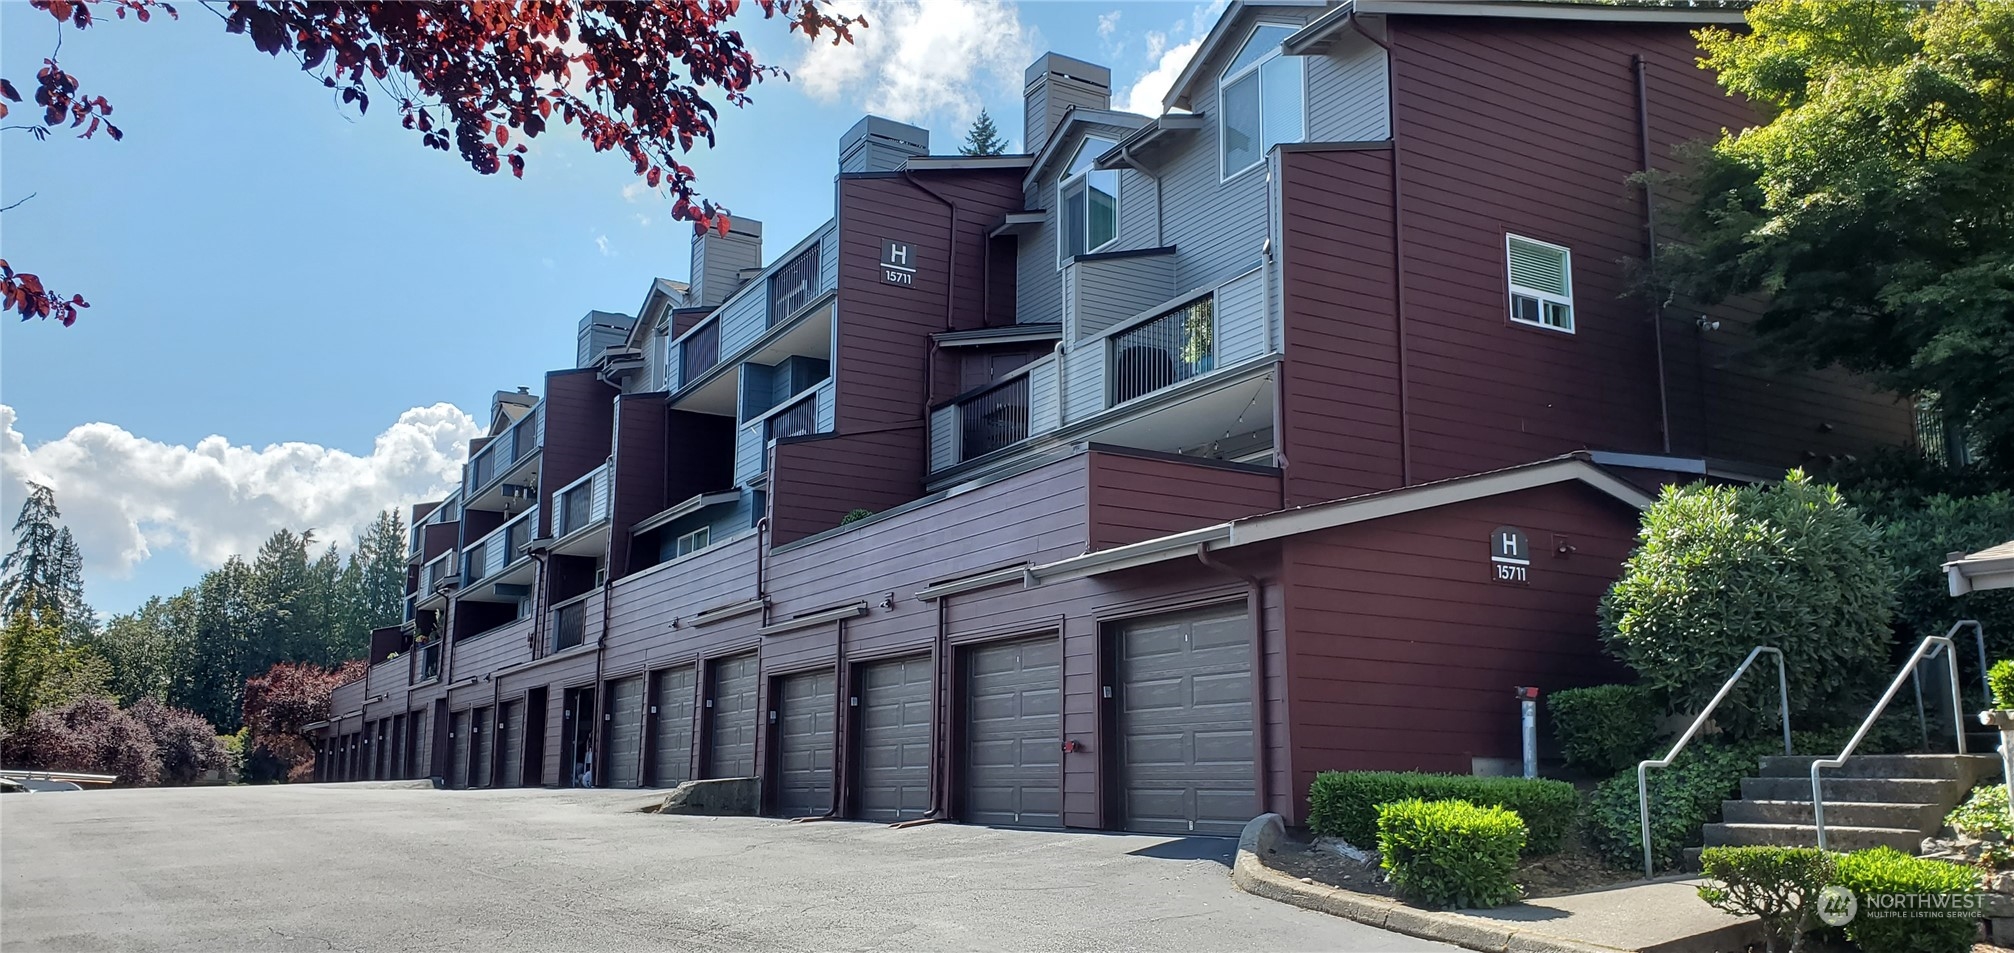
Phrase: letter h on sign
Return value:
(897, 268)
(1510, 557)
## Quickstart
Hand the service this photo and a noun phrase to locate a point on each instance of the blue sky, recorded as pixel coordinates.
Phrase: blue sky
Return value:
(285, 293)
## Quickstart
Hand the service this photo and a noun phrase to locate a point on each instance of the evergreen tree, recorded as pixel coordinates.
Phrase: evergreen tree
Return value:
(32, 573)
(983, 139)
(79, 619)
(141, 651)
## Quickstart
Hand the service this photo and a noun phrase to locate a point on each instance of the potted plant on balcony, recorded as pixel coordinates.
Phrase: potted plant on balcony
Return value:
(1199, 338)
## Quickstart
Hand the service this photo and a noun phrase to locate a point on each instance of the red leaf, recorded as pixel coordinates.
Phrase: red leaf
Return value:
(7, 91)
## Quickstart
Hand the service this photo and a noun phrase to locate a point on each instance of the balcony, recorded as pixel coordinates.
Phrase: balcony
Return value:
(569, 622)
(785, 312)
(699, 351)
(498, 567)
(580, 515)
(429, 654)
(806, 413)
(506, 468)
(443, 569)
(1189, 376)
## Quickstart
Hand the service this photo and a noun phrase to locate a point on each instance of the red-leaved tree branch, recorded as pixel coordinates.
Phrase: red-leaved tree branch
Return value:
(481, 77)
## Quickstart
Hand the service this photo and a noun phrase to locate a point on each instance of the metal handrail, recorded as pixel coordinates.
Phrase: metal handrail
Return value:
(1979, 639)
(1643, 767)
(1930, 645)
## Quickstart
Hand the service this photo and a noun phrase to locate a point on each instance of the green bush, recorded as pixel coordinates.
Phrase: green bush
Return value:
(855, 515)
(1777, 885)
(1983, 816)
(1719, 570)
(1604, 729)
(1916, 900)
(1917, 537)
(1345, 803)
(1683, 797)
(2000, 678)
(1451, 853)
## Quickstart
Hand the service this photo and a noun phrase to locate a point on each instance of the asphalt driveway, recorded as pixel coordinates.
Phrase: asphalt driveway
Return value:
(377, 867)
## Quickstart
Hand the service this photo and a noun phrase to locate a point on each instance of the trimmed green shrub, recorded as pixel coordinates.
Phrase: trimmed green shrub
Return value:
(1719, 570)
(2000, 679)
(1606, 728)
(1451, 853)
(1916, 899)
(1917, 536)
(1345, 803)
(1777, 885)
(1683, 797)
(1983, 816)
(855, 515)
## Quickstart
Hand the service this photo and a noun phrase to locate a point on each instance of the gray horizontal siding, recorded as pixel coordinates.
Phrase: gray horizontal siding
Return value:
(748, 452)
(1241, 319)
(1083, 380)
(1347, 92)
(1106, 292)
(1045, 410)
(1038, 280)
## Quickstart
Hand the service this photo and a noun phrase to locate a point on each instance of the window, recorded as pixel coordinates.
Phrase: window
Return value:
(1090, 200)
(1541, 283)
(1259, 97)
(695, 541)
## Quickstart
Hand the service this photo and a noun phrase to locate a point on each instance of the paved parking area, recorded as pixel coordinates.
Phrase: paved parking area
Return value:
(381, 867)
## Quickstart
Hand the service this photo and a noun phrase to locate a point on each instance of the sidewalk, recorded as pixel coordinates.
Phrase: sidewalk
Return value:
(1655, 916)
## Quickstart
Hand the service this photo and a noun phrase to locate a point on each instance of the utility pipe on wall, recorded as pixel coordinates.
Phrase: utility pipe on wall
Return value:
(1650, 245)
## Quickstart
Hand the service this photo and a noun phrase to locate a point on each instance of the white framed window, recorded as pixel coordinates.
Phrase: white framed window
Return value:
(1090, 203)
(1261, 100)
(695, 541)
(1541, 282)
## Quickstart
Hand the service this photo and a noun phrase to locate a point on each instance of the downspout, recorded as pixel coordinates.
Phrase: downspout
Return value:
(761, 546)
(1650, 245)
(940, 727)
(1255, 609)
(1398, 248)
(951, 264)
(842, 678)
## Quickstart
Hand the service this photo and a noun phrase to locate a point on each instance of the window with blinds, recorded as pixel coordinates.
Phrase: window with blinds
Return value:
(1541, 283)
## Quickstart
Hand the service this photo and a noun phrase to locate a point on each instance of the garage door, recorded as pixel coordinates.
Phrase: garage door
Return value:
(895, 739)
(673, 758)
(420, 746)
(731, 751)
(380, 749)
(1014, 728)
(458, 746)
(510, 738)
(806, 736)
(1185, 721)
(625, 733)
(483, 735)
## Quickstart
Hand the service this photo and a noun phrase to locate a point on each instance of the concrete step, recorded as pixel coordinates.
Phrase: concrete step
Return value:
(1837, 837)
(1920, 817)
(1940, 791)
(1959, 767)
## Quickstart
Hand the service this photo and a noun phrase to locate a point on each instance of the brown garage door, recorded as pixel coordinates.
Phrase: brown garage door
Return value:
(1014, 727)
(731, 751)
(625, 733)
(673, 758)
(1185, 721)
(483, 735)
(895, 739)
(458, 746)
(807, 729)
(510, 737)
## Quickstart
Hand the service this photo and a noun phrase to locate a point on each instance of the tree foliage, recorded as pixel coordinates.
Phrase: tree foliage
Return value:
(983, 139)
(90, 735)
(1875, 206)
(185, 746)
(280, 703)
(38, 671)
(1719, 570)
(633, 78)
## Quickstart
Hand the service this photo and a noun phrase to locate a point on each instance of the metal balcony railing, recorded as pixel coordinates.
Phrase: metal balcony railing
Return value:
(503, 451)
(792, 285)
(581, 503)
(699, 352)
(799, 419)
(430, 660)
(993, 419)
(1163, 351)
(569, 625)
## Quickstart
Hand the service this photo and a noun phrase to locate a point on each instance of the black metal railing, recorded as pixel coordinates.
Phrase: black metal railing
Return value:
(430, 660)
(699, 352)
(569, 625)
(993, 419)
(525, 435)
(1166, 350)
(800, 419)
(574, 505)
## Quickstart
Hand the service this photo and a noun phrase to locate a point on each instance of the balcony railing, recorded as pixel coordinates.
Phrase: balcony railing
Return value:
(1163, 351)
(794, 421)
(442, 567)
(503, 451)
(569, 625)
(793, 285)
(500, 549)
(430, 660)
(699, 352)
(582, 503)
(993, 419)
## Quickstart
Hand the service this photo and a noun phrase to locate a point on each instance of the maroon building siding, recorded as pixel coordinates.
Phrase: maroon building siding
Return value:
(816, 480)
(1403, 649)
(637, 472)
(1134, 495)
(579, 422)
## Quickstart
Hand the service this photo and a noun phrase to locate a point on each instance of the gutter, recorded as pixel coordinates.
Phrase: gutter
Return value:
(1121, 557)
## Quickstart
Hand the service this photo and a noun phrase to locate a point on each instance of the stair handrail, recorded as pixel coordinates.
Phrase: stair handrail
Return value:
(1930, 646)
(1979, 639)
(1643, 767)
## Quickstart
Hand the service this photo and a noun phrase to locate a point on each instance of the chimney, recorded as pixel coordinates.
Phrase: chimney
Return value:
(717, 260)
(875, 144)
(599, 330)
(1055, 84)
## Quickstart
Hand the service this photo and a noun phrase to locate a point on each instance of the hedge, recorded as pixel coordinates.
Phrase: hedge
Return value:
(1345, 803)
(1923, 920)
(1451, 853)
(1606, 728)
(1683, 797)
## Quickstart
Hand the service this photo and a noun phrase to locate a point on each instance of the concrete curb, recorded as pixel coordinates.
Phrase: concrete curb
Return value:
(1262, 835)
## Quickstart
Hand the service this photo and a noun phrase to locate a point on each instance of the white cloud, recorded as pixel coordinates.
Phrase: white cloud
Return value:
(634, 191)
(127, 497)
(917, 60)
(1145, 95)
(601, 244)
(1107, 23)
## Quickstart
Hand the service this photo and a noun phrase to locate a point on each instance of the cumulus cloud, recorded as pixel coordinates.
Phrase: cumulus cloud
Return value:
(126, 497)
(1145, 95)
(918, 60)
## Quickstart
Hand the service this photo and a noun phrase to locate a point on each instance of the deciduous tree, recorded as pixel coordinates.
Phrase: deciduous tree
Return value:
(633, 78)
(282, 701)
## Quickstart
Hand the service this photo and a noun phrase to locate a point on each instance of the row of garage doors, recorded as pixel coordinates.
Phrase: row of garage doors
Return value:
(1180, 723)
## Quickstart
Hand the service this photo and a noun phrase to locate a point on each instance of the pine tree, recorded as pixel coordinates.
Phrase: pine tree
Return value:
(983, 139)
(32, 573)
(79, 619)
